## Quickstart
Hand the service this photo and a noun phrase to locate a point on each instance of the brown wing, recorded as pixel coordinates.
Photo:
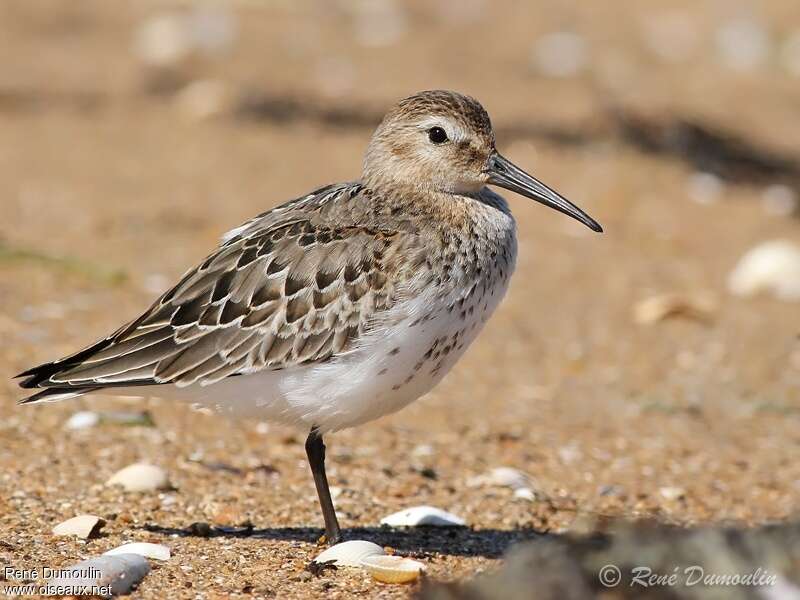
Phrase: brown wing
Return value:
(291, 287)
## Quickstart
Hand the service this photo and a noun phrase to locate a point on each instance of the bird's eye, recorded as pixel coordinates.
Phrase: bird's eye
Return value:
(437, 135)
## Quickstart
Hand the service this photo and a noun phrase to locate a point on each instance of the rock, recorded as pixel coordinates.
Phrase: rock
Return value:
(140, 477)
(779, 200)
(698, 306)
(82, 526)
(154, 551)
(350, 553)
(423, 515)
(771, 267)
(392, 569)
(120, 573)
(82, 420)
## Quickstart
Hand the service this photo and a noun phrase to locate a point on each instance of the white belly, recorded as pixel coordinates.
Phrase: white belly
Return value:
(389, 368)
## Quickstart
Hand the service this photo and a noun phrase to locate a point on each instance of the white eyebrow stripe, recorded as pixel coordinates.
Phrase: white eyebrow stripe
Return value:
(454, 131)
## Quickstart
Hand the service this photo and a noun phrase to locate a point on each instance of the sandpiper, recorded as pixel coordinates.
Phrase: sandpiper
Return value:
(342, 305)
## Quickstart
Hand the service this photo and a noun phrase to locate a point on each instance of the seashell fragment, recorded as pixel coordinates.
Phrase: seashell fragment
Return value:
(154, 551)
(423, 515)
(699, 306)
(140, 477)
(349, 553)
(118, 574)
(501, 476)
(772, 267)
(82, 420)
(82, 526)
(392, 569)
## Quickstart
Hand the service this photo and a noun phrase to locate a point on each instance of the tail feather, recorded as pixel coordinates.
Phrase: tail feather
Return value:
(56, 394)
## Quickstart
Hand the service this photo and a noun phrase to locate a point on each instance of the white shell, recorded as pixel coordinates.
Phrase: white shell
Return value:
(82, 420)
(121, 573)
(772, 267)
(154, 551)
(140, 477)
(501, 476)
(525, 493)
(350, 553)
(423, 515)
(83, 526)
(392, 569)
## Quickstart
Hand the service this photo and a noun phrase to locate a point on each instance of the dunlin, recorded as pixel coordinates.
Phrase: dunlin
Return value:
(342, 305)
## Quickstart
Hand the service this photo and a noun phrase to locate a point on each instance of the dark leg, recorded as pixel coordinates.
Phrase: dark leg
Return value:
(315, 450)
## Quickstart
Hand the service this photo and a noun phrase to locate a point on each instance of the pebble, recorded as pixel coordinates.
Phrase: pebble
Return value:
(148, 550)
(423, 515)
(121, 573)
(349, 553)
(392, 569)
(140, 477)
(82, 526)
(772, 267)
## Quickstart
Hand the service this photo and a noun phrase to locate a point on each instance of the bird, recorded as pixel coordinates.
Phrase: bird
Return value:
(339, 306)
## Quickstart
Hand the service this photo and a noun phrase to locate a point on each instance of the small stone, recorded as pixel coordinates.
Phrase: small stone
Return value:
(742, 44)
(154, 551)
(82, 526)
(141, 477)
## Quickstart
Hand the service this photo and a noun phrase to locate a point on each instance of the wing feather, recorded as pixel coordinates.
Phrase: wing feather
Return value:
(298, 284)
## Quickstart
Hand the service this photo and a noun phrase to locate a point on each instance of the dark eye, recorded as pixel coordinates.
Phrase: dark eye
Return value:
(437, 135)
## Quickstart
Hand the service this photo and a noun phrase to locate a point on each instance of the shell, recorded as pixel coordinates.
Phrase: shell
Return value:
(140, 477)
(423, 515)
(350, 553)
(83, 526)
(82, 420)
(121, 573)
(392, 569)
(154, 551)
(501, 476)
(772, 267)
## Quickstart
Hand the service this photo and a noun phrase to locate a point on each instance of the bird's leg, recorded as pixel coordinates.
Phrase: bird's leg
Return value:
(315, 450)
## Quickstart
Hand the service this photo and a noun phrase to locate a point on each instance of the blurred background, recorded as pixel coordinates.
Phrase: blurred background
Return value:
(648, 372)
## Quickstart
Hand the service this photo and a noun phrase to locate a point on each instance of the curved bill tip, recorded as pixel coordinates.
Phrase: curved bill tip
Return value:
(504, 173)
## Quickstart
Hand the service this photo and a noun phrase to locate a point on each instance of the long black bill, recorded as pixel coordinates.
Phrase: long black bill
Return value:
(506, 174)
